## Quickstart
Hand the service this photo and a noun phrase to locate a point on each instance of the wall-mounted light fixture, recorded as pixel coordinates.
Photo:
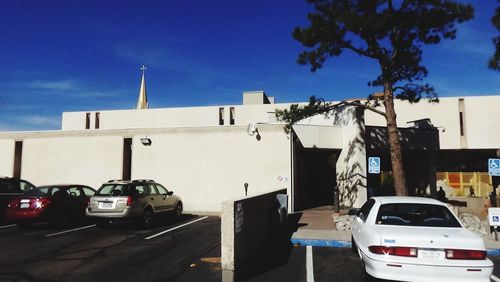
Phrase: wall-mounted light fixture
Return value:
(146, 141)
(254, 130)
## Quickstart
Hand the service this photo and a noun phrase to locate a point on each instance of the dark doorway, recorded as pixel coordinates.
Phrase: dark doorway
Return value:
(127, 158)
(18, 156)
(314, 176)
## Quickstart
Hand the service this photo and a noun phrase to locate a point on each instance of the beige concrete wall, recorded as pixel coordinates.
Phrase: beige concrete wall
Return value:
(481, 120)
(85, 160)
(7, 150)
(172, 117)
(206, 167)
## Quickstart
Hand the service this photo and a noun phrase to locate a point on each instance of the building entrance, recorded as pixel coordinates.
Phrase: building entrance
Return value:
(314, 177)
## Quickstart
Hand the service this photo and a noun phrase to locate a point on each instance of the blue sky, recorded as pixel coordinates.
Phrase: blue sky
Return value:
(77, 55)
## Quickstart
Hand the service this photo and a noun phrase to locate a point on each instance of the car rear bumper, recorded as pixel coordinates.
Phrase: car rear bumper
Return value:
(480, 270)
(126, 213)
(24, 215)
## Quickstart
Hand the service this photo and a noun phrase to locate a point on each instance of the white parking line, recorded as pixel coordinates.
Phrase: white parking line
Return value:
(177, 227)
(7, 226)
(71, 230)
(494, 278)
(309, 264)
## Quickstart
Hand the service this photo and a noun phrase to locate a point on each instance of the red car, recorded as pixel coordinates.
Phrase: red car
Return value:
(54, 203)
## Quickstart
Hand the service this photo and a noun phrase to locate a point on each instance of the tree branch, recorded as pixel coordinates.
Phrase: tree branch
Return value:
(356, 104)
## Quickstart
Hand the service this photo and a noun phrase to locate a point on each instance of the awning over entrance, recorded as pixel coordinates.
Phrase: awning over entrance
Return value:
(320, 137)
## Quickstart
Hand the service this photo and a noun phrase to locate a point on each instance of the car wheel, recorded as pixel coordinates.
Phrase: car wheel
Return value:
(178, 209)
(354, 247)
(365, 277)
(23, 225)
(147, 218)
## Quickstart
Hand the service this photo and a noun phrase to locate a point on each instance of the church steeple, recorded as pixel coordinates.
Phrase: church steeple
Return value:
(142, 102)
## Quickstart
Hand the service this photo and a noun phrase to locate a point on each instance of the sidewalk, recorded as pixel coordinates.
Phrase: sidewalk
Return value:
(316, 228)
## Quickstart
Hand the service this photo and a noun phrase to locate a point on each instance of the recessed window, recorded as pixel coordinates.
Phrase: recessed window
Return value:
(221, 116)
(97, 120)
(87, 121)
(461, 124)
(231, 116)
(461, 109)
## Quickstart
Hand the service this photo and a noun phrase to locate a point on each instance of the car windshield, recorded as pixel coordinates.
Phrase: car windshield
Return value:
(114, 190)
(411, 214)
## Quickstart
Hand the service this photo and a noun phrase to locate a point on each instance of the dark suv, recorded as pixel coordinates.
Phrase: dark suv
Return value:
(137, 200)
(11, 188)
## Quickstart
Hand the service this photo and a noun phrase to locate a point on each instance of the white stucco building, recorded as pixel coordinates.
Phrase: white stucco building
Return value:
(207, 154)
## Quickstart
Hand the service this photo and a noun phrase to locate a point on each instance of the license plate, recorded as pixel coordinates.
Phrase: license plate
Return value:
(431, 254)
(105, 205)
(25, 205)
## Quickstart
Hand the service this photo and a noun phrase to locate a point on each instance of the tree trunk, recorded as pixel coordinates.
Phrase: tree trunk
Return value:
(394, 144)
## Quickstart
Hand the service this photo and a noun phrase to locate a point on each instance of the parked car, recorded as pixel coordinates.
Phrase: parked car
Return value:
(137, 200)
(54, 203)
(11, 188)
(416, 239)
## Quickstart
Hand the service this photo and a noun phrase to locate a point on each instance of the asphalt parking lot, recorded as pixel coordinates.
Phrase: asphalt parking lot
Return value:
(184, 249)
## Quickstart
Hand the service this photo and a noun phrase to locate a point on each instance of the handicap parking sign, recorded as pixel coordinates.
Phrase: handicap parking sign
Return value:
(374, 165)
(494, 167)
(494, 216)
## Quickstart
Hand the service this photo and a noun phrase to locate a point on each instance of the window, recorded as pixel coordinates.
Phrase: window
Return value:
(139, 189)
(221, 116)
(25, 185)
(97, 120)
(364, 211)
(18, 156)
(152, 190)
(231, 116)
(161, 189)
(75, 191)
(410, 214)
(87, 191)
(87, 121)
(114, 190)
(461, 108)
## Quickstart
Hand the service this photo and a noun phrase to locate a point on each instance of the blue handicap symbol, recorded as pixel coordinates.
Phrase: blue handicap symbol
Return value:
(494, 167)
(495, 218)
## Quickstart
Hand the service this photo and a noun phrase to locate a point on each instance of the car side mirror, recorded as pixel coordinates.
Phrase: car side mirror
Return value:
(170, 193)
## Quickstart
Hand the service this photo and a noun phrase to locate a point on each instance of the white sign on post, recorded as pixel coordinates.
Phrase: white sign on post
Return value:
(494, 216)
(374, 165)
(494, 167)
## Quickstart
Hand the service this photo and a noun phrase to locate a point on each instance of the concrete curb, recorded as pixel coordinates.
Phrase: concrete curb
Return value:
(347, 244)
(321, 243)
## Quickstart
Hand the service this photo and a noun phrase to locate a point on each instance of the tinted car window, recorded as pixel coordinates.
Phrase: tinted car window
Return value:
(42, 192)
(75, 192)
(87, 191)
(364, 211)
(152, 189)
(161, 189)
(140, 189)
(115, 190)
(416, 215)
(25, 185)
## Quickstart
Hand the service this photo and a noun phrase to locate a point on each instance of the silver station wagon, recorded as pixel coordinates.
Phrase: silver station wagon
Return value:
(136, 200)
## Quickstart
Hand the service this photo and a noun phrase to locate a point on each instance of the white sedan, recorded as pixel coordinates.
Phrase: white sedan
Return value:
(416, 239)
